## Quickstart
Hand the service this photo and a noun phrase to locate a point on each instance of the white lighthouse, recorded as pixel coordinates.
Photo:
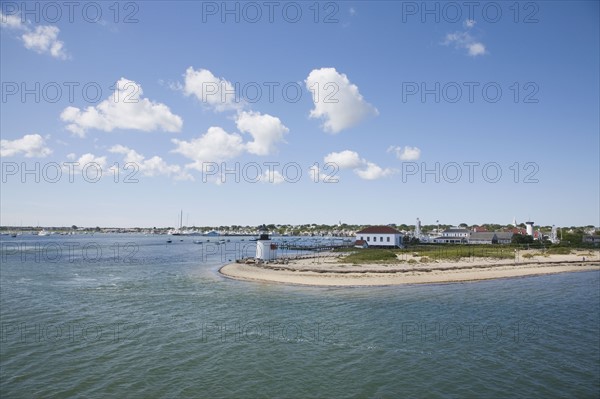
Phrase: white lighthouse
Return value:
(529, 228)
(418, 229)
(265, 249)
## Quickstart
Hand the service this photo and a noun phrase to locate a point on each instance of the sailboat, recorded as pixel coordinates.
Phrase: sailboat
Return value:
(177, 232)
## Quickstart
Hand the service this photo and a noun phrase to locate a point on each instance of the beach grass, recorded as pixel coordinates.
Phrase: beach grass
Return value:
(441, 253)
(371, 255)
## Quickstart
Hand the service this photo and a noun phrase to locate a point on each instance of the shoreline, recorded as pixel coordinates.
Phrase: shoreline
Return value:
(327, 271)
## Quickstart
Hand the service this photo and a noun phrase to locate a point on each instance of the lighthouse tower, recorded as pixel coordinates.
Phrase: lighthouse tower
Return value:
(418, 229)
(529, 228)
(265, 250)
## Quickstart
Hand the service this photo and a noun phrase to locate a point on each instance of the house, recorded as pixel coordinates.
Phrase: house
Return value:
(360, 244)
(496, 237)
(450, 240)
(453, 235)
(591, 239)
(379, 236)
(456, 232)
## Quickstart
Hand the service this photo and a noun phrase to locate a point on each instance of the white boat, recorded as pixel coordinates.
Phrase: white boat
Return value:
(43, 233)
(177, 231)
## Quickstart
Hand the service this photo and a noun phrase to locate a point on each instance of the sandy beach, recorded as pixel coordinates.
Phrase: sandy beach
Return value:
(329, 270)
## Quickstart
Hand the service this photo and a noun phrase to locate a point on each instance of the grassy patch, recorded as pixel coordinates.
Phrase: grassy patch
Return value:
(371, 255)
(457, 252)
(558, 251)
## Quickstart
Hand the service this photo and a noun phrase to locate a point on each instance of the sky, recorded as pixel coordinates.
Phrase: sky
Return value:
(124, 114)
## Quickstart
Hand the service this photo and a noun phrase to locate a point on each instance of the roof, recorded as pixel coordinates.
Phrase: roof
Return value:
(482, 236)
(379, 230)
(489, 235)
(456, 231)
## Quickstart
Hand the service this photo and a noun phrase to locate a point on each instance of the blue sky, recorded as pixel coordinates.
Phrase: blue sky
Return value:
(438, 113)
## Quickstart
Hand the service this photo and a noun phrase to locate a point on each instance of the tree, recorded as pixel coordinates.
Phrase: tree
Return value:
(521, 239)
(74, 227)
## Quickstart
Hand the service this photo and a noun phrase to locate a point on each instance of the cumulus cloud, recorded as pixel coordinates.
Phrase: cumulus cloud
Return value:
(372, 171)
(154, 166)
(464, 40)
(213, 146)
(266, 131)
(469, 23)
(337, 101)
(124, 109)
(12, 22)
(42, 39)
(345, 159)
(31, 145)
(272, 176)
(95, 164)
(351, 160)
(407, 153)
(215, 92)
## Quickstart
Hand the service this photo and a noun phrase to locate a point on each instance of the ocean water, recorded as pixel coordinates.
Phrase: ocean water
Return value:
(131, 316)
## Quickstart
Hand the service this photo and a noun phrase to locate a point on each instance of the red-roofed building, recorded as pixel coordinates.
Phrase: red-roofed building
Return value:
(379, 236)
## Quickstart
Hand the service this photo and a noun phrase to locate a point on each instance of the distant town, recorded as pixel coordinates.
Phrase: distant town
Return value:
(462, 233)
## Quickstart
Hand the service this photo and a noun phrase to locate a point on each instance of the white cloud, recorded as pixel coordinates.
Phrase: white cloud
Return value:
(43, 39)
(266, 130)
(210, 90)
(336, 100)
(12, 22)
(476, 49)
(464, 40)
(32, 145)
(154, 166)
(272, 176)
(407, 153)
(213, 146)
(351, 160)
(124, 109)
(345, 159)
(373, 172)
(86, 159)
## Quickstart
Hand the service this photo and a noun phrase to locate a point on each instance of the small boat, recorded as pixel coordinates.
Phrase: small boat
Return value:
(169, 241)
(43, 233)
(197, 242)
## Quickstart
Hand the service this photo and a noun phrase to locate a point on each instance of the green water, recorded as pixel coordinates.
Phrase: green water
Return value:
(132, 316)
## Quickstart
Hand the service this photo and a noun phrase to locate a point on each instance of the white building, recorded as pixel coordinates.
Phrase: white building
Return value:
(529, 226)
(454, 235)
(266, 250)
(494, 237)
(379, 236)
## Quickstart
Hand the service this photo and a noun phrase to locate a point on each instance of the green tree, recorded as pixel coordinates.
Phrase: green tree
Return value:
(521, 239)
